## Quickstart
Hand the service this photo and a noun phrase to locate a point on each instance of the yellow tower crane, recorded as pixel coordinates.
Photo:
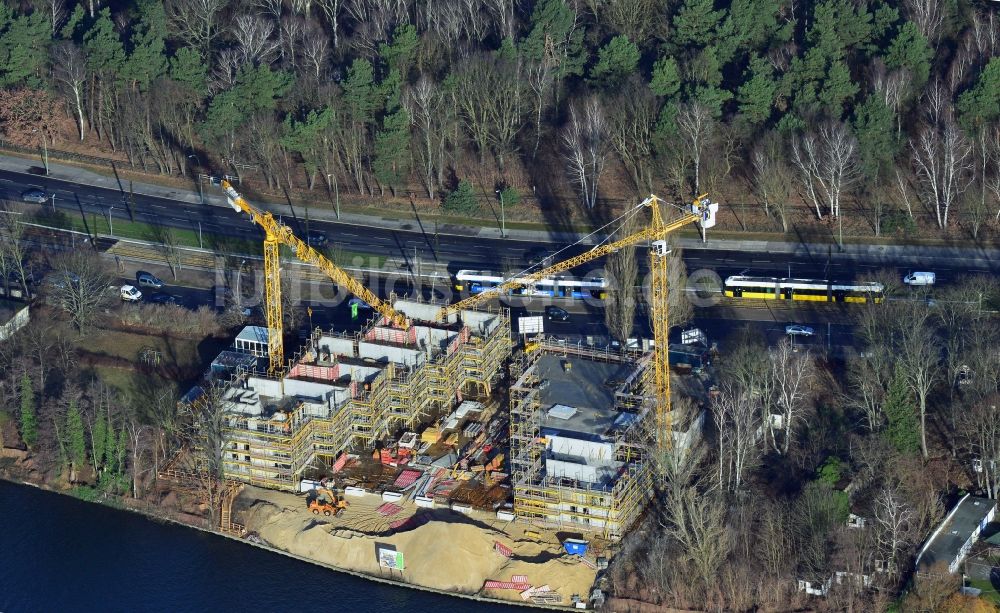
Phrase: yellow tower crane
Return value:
(701, 210)
(275, 235)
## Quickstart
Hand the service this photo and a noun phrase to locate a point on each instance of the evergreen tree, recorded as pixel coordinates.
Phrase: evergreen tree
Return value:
(105, 52)
(188, 68)
(462, 200)
(98, 438)
(666, 79)
(75, 436)
(398, 55)
(556, 36)
(981, 103)
(903, 427)
(392, 149)
(147, 60)
(24, 42)
(757, 94)
(696, 24)
(874, 124)
(909, 49)
(29, 418)
(615, 62)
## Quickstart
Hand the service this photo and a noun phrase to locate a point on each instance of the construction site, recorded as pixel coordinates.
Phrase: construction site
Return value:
(432, 418)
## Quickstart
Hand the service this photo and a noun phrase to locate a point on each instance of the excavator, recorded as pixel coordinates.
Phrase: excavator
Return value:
(323, 500)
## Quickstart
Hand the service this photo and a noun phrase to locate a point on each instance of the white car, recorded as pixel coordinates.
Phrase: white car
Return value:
(920, 278)
(798, 330)
(130, 294)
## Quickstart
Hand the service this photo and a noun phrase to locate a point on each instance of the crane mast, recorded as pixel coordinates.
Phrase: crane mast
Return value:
(701, 210)
(275, 235)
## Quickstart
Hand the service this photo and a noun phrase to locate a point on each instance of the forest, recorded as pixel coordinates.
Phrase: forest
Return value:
(882, 112)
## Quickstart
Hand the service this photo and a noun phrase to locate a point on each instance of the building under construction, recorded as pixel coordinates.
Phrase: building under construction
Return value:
(579, 438)
(352, 391)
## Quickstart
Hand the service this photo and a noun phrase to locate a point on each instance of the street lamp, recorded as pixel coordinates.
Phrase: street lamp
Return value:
(111, 228)
(336, 191)
(53, 203)
(503, 221)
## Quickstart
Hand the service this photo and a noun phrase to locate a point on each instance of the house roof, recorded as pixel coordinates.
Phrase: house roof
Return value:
(963, 521)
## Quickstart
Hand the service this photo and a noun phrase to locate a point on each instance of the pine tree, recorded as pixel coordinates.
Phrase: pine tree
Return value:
(98, 438)
(75, 436)
(462, 200)
(615, 62)
(903, 428)
(29, 419)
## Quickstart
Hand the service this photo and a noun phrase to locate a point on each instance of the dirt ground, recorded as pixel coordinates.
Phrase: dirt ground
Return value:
(446, 550)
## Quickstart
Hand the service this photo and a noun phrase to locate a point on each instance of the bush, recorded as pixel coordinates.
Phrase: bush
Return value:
(510, 196)
(462, 200)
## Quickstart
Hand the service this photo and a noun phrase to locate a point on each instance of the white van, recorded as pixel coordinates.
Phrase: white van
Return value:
(919, 278)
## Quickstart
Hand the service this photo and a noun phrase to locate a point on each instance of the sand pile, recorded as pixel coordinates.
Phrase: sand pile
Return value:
(455, 555)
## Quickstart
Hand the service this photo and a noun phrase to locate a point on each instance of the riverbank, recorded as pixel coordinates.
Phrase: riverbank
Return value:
(72, 556)
(440, 549)
(451, 558)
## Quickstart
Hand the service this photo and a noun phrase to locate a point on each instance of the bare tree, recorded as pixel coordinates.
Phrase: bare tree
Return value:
(771, 179)
(942, 158)
(57, 13)
(697, 521)
(697, 127)
(253, 35)
(737, 425)
(430, 115)
(69, 67)
(828, 164)
(793, 373)
(197, 21)
(928, 15)
(978, 428)
(314, 46)
(919, 360)
(632, 119)
(14, 248)
(623, 270)
(489, 93)
(892, 523)
(332, 9)
(79, 286)
(893, 88)
(204, 440)
(584, 140)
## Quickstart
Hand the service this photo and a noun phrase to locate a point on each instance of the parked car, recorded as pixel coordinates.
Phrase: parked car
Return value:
(147, 279)
(61, 280)
(798, 330)
(163, 298)
(316, 239)
(35, 195)
(920, 278)
(554, 313)
(129, 293)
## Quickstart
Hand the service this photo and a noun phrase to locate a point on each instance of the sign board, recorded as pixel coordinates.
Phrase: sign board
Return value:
(530, 325)
(388, 557)
(693, 336)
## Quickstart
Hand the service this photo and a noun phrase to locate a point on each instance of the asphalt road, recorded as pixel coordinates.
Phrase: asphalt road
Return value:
(456, 252)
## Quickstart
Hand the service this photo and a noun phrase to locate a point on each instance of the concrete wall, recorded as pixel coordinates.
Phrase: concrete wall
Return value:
(15, 323)
(481, 324)
(397, 355)
(308, 389)
(587, 450)
(435, 339)
(265, 387)
(336, 346)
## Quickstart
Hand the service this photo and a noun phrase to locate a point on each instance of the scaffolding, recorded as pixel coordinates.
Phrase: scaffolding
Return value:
(271, 436)
(610, 507)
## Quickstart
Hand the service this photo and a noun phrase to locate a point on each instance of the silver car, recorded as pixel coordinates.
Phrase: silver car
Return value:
(34, 195)
(798, 330)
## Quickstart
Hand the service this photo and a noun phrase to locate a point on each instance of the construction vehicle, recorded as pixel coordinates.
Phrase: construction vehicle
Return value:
(701, 210)
(323, 500)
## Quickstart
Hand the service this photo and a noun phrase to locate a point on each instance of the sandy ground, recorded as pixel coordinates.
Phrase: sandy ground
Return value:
(450, 551)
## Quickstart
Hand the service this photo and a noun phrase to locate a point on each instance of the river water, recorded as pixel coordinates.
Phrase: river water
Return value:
(61, 554)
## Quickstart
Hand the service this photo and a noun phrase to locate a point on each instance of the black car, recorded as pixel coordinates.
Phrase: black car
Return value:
(554, 313)
(538, 256)
(162, 298)
(316, 239)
